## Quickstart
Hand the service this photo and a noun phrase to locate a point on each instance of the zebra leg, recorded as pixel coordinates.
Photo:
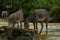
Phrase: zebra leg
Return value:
(8, 23)
(26, 24)
(36, 27)
(10, 31)
(41, 27)
(46, 27)
(17, 25)
(2, 18)
(21, 24)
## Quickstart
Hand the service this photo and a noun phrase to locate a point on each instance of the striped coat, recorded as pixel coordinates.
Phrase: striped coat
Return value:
(37, 15)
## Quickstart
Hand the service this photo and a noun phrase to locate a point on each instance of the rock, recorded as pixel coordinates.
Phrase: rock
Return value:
(20, 34)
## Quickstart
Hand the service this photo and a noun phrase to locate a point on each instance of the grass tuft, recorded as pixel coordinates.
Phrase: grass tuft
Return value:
(42, 37)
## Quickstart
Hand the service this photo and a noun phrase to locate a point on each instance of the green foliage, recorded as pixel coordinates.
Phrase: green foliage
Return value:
(52, 6)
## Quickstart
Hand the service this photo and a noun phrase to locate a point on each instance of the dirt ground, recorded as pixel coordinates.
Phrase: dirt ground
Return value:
(53, 29)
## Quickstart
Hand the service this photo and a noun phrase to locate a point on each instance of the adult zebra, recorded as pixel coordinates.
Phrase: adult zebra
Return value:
(38, 15)
(14, 18)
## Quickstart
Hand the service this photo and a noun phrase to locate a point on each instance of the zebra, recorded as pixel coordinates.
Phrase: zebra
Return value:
(4, 15)
(40, 15)
(14, 18)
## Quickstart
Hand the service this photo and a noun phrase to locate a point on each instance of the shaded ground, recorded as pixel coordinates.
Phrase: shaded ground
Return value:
(53, 30)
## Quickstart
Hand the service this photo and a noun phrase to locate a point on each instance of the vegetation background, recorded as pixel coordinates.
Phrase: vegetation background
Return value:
(52, 6)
